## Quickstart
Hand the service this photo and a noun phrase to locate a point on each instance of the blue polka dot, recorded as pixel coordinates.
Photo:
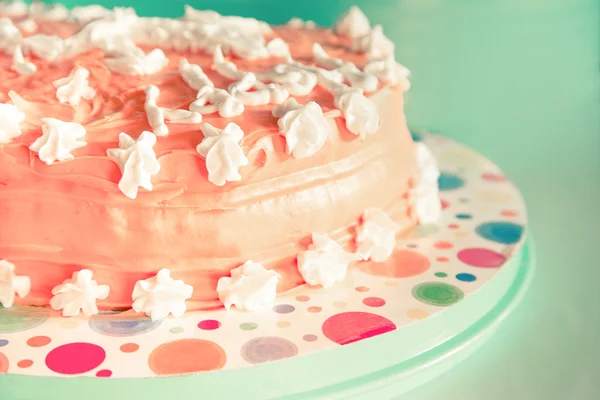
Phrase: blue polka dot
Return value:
(416, 137)
(465, 277)
(113, 326)
(448, 181)
(500, 232)
(3, 342)
(464, 216)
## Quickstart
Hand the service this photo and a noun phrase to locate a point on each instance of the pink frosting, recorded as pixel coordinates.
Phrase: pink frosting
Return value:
(59, 218)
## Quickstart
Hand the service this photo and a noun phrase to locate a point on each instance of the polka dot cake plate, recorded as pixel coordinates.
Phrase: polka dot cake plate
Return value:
(402, 321)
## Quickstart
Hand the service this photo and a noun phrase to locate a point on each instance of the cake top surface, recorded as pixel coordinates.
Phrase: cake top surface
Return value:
(86, 83)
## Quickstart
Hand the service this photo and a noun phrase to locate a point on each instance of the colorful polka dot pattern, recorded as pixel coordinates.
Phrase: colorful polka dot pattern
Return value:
(436, 267)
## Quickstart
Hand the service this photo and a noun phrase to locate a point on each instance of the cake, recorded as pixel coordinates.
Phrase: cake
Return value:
(177, 164)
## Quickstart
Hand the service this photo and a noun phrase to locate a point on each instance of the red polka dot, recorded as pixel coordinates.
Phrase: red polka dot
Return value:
(442, 259)
(374, 302)
(443, 245)
(362, 289)
(104, 373)
(453, 226)
(209, 325)
(302, 299)
(24, 363)
(488, 176)
(445, 204)
(75, 358)
(350, 327)
(186, 356)
(129, 348)
(38, 341)
(3, 363)
(509, 213)
(402, 264)
(314, 309)
(483, 258)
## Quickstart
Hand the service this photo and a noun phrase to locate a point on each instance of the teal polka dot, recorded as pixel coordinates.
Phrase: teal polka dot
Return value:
(448, 181)
(500, 232)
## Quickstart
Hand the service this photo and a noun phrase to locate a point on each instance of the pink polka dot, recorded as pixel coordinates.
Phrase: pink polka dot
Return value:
(209, 325)
(443, 245)
(453, 226)
(3, 363)
(483, 258)
(350, 327)
(445, 204)
(104, 373)
(75, 358)
(374, 302)
(488, 176)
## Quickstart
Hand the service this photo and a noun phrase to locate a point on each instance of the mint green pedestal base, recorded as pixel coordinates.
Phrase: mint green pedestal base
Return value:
(380, 367)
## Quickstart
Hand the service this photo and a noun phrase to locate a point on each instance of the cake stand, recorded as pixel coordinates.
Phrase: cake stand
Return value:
(386, 329)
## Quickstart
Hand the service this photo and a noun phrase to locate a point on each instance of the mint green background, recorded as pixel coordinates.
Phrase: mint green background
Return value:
(518, 81)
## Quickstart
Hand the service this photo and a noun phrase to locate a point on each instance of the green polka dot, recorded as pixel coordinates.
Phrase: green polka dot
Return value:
(248, 326)
(441, 274)
(437, 293)
(19, 319)
(176, 329)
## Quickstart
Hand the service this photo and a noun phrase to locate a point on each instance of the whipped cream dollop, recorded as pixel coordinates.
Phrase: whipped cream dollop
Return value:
(374, 43)
(58, 140)
(425, 198)
(50, 12)
(211, 100)
(74, 87)
(137, 161)
(266, 94)
(28, 25)
(376, 235)
(298, 23)
(193, 75)
(10, 36)
(249, 288)
(155, 114)
(85, 14)
(22, 66)
(243, 37)
(296, 80)
(223, 154)
(16, 8)
(137, 63)
(360, 112)
(278, 48)
(160, 296)
(47, 47)
(389, 71)
(10, 118)
(304, 127)
(353, 23)
(11, 284)
(351, 73)
(78, 295)
(325, 262)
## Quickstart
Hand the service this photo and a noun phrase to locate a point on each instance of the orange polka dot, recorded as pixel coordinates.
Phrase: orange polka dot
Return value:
(442, 259)
(302, 298)
(24, 363)
(186, 356)
(339, 304)
(362, 289)
(417, 314)
(402, 264)
(508, 213)
(314, 310)
(461, 234)
(38, 341)
(3, 364)
(129, 347)
(443, 245)
(391, 283)
(283, 324)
